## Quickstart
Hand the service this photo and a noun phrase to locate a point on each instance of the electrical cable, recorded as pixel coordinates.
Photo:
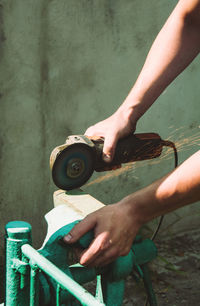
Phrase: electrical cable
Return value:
(170, 144)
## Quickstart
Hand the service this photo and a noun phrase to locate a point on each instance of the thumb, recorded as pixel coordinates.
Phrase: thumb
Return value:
(109, 147)
(80, 229)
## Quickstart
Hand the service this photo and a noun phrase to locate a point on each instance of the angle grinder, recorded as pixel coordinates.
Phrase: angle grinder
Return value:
(73, 163)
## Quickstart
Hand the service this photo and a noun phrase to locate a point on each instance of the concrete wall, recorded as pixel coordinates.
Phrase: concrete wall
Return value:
(65, 65)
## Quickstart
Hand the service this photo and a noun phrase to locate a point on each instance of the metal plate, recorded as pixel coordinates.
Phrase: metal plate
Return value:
(73, 166)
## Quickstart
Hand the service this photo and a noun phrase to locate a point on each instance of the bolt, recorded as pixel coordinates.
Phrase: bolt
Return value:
(76, 167)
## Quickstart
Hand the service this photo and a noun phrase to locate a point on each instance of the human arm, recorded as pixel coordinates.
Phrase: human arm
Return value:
(177, 44)
(115, 226)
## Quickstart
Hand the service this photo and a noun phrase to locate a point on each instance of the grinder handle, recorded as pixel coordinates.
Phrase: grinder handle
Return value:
(132, 148)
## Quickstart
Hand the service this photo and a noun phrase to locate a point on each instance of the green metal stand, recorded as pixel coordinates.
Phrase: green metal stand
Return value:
(46, 277)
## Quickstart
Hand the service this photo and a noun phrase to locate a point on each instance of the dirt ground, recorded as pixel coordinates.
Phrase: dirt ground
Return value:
(175, 273)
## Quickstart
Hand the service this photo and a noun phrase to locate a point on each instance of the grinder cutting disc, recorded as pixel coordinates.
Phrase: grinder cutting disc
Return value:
(72, 166)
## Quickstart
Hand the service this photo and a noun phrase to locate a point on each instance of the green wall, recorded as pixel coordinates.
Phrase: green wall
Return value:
(66, 64)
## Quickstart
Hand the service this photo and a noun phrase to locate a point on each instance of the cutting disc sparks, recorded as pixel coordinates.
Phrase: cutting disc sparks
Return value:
(73, 167)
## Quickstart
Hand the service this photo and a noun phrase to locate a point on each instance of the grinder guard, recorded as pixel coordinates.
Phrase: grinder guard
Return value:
(73, 166)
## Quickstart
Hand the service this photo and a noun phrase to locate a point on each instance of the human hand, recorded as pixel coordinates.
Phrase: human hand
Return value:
(114, 231)
(112, 129)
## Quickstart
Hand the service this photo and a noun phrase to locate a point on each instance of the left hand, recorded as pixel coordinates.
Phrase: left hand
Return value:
(114, 231)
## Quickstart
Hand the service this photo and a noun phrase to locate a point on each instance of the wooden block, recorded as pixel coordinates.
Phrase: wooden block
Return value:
(78, 200)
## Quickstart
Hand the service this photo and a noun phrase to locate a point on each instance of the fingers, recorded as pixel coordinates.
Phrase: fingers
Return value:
(109, 147)
(105, 258)
(110, 142)
(97, 256)
(89, 131)
(94, 130)
(80, 229)
(98, 245)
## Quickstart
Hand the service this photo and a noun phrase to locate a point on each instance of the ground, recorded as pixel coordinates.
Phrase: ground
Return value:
(175, 273)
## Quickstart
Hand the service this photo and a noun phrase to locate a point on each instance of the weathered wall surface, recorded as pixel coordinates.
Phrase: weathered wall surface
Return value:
(65, 65)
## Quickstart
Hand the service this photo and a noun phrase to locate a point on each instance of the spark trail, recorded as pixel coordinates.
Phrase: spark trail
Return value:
(183, 142)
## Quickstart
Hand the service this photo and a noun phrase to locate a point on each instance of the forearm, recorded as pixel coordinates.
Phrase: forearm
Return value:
(177, 44)
(177, 189)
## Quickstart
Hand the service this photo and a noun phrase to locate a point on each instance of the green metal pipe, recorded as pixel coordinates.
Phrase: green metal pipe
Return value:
(17, 234)
(113, 291)
(58, 290)
(63, 279)
(99, 293)
(34, 285)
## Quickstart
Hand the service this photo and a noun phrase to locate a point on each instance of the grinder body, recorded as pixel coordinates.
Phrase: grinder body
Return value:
(73, 163)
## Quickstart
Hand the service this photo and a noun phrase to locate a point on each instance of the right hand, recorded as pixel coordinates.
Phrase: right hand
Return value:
(112, 129)
(115, 227)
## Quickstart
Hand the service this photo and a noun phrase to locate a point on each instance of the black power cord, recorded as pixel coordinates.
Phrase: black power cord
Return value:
(170, 144)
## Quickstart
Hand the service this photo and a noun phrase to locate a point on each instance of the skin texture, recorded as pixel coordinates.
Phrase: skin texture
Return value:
(116, 225)
(162, 66)
(179, 188)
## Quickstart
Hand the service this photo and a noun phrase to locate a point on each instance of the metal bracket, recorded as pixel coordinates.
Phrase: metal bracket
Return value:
(20, 266)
